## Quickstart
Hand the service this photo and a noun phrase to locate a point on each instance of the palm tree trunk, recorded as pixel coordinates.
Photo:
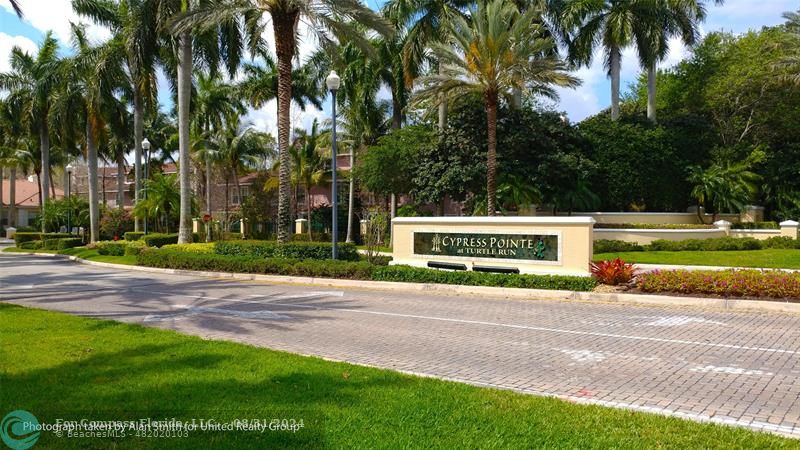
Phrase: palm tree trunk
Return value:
(491, 162)
(227, 199)
(397, 112)
(105, 201)
(350, 196)
(120, 179)
(44, 178)
(615, 69)
(238, 186)
(308, 209)
(12, 197)
(52, 186)
(284, 28)
(138, 133)
(651, 92)
(516, 96)
(208, 198)
(442, 106)
(184, 93)
(2, 177)
(91, 156)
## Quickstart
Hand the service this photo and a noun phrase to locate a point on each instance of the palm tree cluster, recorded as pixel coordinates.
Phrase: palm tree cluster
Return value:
(426, 53)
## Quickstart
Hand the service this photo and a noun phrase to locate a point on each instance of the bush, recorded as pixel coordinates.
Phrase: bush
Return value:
(655, 226)
(614, 272)
(66, 243)
(708, 245)
(114, 223)
(297, 250)
(354, 270)
(191, 248)
(28, 236)
(30, 245)
(610, 246)
(781, 242)
(133, 248)
(110, 248)
(421, 275)
(755, 226)
(730, 283)
(133, 235)
(161, 239)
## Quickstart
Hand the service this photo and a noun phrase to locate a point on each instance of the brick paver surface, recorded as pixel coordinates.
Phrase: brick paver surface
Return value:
(738, 368)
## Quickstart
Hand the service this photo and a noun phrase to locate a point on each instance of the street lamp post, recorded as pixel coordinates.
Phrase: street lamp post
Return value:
(146, 148)
(333, 81)
(70, 168)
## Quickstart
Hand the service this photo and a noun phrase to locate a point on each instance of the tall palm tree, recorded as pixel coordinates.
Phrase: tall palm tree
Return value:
(92, 81)
(31, 82)
(613, 25)
(309, 166)
(428, 22)
(135, 22)
(16, 7)
(260, 84)
(675, 18)
(329, 20)
(498, 50)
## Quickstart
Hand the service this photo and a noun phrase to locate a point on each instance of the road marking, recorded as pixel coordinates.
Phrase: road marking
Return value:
(585, 355)
(676, 321)
(729, 370)
(502, 325)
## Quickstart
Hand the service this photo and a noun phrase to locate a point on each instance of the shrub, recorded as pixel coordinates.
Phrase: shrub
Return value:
(610, 246)
(114, 222)
(133, 235)
(655, 226)
(33, 236)
(191, 248)
(781, 242)
(421, 275)
(30, 245)
(110, 248)
(729, 283)
(613, 272)
(717, 244)
(298, 250)
(161, 239)
(66, 243)
(133, 248)
(755, 226)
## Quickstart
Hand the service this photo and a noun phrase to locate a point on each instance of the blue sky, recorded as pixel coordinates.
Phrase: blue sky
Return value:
(593, 96)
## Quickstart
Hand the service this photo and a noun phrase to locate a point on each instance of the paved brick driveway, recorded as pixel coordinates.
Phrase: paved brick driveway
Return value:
(726, 367)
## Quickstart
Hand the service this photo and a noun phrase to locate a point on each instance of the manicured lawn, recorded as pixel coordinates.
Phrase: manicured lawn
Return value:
(772, 258)
(82, 252)
(60, 366)
(381, 248)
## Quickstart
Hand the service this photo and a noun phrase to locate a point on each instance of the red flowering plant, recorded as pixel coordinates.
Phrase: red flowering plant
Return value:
(614, 272)
(727, 283)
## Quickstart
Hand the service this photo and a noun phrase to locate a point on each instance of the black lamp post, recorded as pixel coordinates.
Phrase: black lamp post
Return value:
(70, 168)
(333, 81)
(146, 148)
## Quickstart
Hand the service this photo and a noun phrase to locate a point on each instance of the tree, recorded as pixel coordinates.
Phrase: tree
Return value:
(499, 50)
(308, 167)
(327, 19)
(725, 185)
(385, 167)
(162, 201)
(91, 83)
(135, 24)
(614, 25)
(260, 84)
(16, 7)
(31, 83)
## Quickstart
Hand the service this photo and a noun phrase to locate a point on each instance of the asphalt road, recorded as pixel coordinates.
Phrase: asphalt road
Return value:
(738, 368)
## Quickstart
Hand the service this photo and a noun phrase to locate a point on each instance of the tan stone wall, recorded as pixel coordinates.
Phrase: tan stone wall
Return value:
(757, 234)
(654, 218)
(575, 241)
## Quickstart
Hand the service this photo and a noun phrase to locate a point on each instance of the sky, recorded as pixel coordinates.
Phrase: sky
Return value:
(591, 97)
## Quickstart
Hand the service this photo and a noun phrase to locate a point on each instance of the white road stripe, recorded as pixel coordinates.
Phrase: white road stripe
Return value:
(503, 325)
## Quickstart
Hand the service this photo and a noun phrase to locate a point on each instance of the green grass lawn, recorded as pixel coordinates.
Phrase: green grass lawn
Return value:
(381, 248)
(60, 366)
(772, 258)
(82, 252)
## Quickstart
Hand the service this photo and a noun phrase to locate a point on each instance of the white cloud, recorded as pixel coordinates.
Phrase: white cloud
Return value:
(56, 15)
(8, 42)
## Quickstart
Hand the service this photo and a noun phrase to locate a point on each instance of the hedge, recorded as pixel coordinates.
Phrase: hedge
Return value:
(361, 270)
(296, 250)
(706, 245)
(200, 247)
(729, 283)
(161, 239)
(654, 226)
(133, 235)
(51, 244)
(27, 237)
(756, 226)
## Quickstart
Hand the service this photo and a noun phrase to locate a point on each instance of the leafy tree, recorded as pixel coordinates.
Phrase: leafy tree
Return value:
(162, 202)
(499, 50)
(726, 185)
(384, 168)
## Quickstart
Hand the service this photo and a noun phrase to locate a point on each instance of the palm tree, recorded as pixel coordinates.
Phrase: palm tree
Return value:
(329, 20)
(614, 25)
(498, 50)
(162, 200)
(31, 82)
(91, 83)
(135, 23)
(725, 185)
(260, 84)
(16, 7)
(309, 167)
(674, 18)
(428, 22)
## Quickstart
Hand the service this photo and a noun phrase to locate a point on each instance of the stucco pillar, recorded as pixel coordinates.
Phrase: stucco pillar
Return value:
(300, 226)
(789, 228)
(724, 225)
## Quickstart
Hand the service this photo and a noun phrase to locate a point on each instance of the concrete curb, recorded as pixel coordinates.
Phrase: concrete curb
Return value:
(449, 289)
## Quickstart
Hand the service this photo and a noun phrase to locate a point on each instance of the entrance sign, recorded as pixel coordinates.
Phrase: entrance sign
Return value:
(539, 245)
(533, 247)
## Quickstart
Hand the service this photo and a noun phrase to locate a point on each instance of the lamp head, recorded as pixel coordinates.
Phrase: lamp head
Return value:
(145, 145)
(333, 81)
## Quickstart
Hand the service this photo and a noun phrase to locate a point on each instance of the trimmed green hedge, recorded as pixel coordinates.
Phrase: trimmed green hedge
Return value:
(654, 226)
(161, 239)
(30, 245)
(361, 270)
(296, 250)
(756, 226)
(694, 245)
(133, 235)
(27, 237)
(51, 244)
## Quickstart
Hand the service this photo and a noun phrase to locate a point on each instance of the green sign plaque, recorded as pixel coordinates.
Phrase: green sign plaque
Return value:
(535, 247)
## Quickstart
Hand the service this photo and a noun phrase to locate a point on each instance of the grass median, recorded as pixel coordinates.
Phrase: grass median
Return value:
(59, 366)
(769, 258)
(81, 252)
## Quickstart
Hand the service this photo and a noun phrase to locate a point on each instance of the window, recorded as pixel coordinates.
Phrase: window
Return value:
(235, 200)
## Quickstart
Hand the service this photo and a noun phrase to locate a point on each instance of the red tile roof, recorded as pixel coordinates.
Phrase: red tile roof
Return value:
(27, 193)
